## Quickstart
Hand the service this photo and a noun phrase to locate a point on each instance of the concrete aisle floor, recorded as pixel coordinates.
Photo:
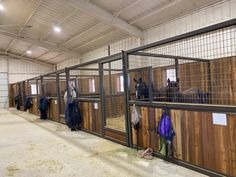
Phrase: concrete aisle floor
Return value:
(30, 147)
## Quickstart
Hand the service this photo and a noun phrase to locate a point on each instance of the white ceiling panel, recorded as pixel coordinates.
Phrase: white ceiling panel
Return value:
(76, 24)
(4, 41)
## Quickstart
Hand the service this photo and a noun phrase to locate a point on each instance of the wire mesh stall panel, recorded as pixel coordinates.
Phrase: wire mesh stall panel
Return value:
(61, 96)
(194, 79)
(84, 85)
(49, 90)
(33, 89)
(114, 100)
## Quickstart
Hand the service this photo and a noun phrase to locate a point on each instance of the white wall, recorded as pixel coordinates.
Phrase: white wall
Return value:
(19, 70)
(3, 82)
(69, 62)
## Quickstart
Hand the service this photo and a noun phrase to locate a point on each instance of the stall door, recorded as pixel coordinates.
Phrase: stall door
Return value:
(4, 101)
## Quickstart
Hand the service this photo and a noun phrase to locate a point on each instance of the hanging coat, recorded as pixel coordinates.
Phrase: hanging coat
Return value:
(43, 107)
(73, 116)
(28, 102)
(17, 102)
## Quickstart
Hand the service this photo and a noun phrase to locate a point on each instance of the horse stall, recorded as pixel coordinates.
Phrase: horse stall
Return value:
(193, 78)
(18, 95)
(12, 94)
(84, 79)
(33, 92)
(113, 99)
(61, 77)
(49, 89)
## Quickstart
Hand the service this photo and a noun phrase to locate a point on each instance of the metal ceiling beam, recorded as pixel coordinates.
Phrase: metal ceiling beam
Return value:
(26, 22)
(49, 30)
(62, 21)
(53, 58)
(106, 17)
(40, 43)
(95, 39)
(42, 55)
(117, 14)
(81, 33)
(25, 58)
(159, 9)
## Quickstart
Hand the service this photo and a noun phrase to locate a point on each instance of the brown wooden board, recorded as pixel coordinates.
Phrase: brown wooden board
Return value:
(53, 110)
(91, 117)
(116, 136)
(198, 141)
(34, 108)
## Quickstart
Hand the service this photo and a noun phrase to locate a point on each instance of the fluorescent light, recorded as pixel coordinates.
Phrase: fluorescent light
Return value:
(1, 7)
(28, 52)
(57, 29)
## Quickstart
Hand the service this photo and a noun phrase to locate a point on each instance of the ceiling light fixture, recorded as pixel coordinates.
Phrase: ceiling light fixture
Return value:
(57, 29)
(1, 7)
(28, 52)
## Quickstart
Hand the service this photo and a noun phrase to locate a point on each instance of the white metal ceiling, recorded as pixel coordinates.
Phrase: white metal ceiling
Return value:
(81, 31)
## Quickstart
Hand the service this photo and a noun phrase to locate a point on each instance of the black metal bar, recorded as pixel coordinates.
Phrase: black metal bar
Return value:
(187, 106)
(177, 68)
(67, 84)
(138, 69)
(185, 35)
(168, 56)
(95, 69)
(110, 80)
(58, 96)
(23, 94)
(209, 82)
(103, 112)
(41, 86)
(118, 55)
(150, 84)
(126, 90)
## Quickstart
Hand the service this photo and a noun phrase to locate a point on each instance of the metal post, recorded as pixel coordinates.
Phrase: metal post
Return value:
(23, 94)
(150, 84)
(41, 86)
(58, 95)
(177, 68)
(103, 112)
(110, 80)
(126, 88)
(67, 83)
(209, 82)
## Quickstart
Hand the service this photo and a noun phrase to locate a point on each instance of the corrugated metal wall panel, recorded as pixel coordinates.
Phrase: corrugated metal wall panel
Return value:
(210, 15)
(20, 70)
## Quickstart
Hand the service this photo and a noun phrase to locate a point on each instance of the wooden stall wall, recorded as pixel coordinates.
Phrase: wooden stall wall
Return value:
(11, 95)
(91, 116)
(223, 81)
(197, 140)
(53, 110)
(218, 78)
(117, 107)
(34, 108)
(51, 89)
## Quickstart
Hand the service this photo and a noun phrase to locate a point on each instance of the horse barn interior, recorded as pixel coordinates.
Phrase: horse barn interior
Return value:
(117, 88)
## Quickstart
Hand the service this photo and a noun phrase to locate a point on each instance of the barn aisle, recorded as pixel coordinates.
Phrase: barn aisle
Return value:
(30, 147)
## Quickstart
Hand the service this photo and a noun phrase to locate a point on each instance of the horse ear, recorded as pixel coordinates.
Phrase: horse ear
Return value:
(168, 80)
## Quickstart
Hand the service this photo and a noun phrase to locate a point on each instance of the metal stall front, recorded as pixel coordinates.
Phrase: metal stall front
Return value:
(100, 93)
(49, 89)
(192, 76)
(33, 91)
